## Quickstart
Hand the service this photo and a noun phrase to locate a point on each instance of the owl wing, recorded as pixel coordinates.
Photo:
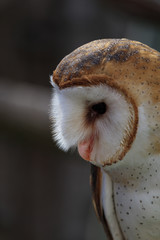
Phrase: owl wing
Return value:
(103, 203)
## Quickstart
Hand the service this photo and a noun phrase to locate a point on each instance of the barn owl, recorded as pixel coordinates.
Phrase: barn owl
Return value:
(106, 103)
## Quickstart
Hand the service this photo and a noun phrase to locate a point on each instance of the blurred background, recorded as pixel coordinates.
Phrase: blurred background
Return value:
(44, 193)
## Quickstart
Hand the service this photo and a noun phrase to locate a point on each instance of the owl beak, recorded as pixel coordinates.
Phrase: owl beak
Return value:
(85, 148)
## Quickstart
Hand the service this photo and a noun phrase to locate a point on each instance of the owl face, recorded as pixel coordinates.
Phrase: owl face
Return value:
(91, 118)
(102, 99)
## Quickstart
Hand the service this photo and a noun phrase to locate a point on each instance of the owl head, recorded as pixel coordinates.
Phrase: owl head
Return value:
(106, 100)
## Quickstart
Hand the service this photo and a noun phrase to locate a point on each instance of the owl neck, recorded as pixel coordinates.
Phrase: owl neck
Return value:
(134, 168)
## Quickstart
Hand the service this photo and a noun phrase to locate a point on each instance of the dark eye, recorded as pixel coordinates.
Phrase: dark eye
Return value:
(99, 108)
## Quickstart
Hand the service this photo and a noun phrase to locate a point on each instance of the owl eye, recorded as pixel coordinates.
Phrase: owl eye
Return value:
(99, 108)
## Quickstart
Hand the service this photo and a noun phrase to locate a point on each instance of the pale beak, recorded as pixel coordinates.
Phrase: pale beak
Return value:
(85, 148)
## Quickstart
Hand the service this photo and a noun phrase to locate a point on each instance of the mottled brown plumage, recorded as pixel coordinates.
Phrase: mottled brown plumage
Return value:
(109, 59)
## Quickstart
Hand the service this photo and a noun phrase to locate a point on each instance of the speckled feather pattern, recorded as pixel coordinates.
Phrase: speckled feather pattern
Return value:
(132, 70)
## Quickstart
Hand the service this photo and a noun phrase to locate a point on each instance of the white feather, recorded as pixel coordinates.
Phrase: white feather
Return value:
(69, 108)
(135, 181)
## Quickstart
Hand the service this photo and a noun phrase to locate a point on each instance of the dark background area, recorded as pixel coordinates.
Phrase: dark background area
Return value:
(44, 193)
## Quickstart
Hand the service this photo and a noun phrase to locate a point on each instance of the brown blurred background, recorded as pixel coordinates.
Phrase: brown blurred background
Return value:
(44, 193)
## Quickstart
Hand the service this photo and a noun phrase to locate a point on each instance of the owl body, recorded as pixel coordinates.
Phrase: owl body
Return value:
(136, 196)
(106, 103)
